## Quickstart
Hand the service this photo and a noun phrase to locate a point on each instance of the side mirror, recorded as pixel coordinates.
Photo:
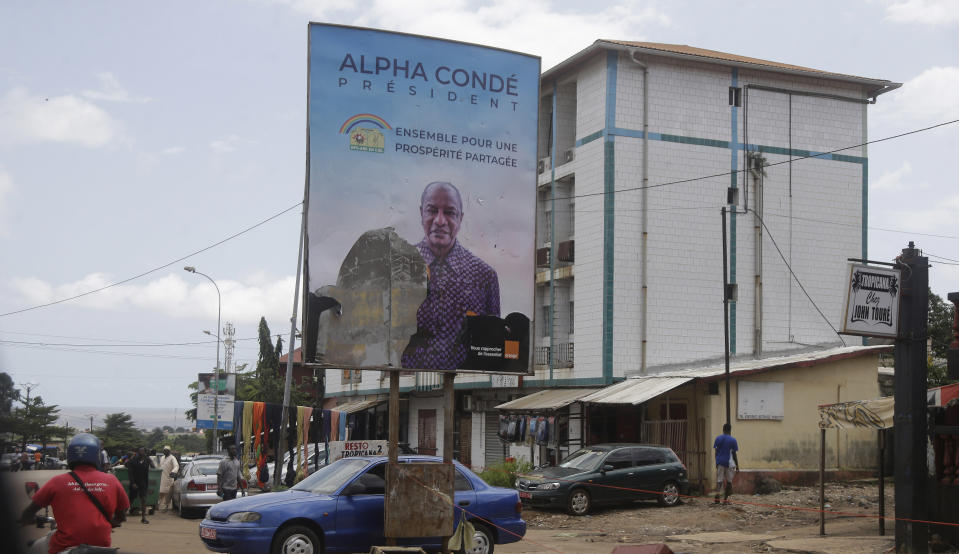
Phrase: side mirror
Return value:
(607, 467)
(354, 488)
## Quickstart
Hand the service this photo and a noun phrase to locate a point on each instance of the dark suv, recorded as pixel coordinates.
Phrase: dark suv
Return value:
(607, 474)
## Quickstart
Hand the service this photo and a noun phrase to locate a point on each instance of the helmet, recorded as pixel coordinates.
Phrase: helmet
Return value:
(84, 448)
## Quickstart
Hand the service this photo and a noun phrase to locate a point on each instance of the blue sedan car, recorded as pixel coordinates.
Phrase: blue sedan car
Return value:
(339, 508)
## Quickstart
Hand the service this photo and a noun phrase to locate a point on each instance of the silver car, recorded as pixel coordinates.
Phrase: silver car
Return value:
(194, 489)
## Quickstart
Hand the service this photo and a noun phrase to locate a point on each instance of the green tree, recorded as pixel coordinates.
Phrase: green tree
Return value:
(8, 394)
(939, 323)
(119, 434)
(34, 421)
(265, 383)
(154, 438)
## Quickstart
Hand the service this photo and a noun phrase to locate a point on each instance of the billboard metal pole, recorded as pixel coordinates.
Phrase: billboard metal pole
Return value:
(726, 313)
(281, 440)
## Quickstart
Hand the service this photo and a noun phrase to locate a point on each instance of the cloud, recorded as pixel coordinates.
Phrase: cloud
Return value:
(225, 144)
(926, 12)
(27, 118)
(6, 188)
(112, 91)
(172, 150)
(519, 26)
(928, 98)
(934, 218)
(172, 296)
(892, 180)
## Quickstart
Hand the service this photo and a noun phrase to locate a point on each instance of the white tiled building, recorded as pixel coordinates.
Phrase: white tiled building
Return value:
(638, 146)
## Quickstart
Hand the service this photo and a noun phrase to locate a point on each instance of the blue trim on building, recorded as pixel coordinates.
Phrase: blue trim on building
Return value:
(609, 216)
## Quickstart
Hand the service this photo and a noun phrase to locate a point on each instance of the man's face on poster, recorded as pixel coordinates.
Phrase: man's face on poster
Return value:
(441, 213)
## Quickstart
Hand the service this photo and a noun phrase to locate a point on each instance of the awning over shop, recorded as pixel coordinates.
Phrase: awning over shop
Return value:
(358, 405)
(552, 399)
(636, 390)
(873, 414)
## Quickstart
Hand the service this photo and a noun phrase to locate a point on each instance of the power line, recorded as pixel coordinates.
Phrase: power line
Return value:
(114, 345)
(154, 270)
(796, 277)
(940, 257)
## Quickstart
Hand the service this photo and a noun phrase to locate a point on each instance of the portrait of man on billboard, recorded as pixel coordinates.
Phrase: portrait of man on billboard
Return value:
(459, 284)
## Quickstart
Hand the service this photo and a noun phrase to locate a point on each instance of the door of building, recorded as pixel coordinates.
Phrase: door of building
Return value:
(426, 432)
(494, 447)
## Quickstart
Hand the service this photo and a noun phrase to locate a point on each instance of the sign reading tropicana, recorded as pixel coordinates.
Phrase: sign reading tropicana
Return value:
(872, 301)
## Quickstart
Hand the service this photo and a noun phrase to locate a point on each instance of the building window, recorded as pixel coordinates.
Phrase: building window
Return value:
(571, 327)
(546, 321)
(736, 96)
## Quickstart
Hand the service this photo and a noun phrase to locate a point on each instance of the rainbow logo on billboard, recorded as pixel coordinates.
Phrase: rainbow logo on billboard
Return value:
(368, 138)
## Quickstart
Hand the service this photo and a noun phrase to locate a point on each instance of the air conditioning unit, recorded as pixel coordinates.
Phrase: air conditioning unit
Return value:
(543, 166)
(569, 155)
(467, 403)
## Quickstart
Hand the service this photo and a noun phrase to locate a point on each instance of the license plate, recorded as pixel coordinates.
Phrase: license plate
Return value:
(211, 487)
(207, 533)
(525, 494)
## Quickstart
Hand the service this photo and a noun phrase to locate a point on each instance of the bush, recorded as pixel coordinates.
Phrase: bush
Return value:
(503, 474)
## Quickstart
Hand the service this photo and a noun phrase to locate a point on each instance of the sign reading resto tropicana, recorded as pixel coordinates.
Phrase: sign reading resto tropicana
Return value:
(872, 301)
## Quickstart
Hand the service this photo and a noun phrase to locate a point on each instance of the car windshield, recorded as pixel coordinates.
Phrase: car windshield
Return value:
(328, 479)
(206, 468)
(586, 458)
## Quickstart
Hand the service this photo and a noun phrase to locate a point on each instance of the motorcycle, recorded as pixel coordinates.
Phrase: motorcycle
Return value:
(41, 545)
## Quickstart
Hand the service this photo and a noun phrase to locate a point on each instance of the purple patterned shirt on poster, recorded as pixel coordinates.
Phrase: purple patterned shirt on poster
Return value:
(457, 284)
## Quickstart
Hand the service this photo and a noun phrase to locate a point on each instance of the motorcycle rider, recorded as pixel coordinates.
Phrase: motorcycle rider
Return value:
(80, 520)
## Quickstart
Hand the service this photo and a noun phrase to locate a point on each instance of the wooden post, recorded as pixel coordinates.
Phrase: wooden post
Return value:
(822, 481)
(393, 449)
(448, 405)
(882, 482)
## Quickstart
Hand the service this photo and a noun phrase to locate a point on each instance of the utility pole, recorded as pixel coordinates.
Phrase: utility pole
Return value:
(26, 408)
(91, 420)
(910, 402)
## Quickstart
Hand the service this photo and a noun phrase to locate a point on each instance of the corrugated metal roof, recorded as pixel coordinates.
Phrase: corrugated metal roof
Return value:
(803, 359)
(551, 399)
(690, 52)
(636, 391)
(639, 389)
(359, 405)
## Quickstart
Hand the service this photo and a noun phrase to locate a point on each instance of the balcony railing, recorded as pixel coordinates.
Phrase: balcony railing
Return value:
(564, 355)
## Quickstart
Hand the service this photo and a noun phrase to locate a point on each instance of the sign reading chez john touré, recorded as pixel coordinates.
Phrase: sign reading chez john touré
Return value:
(872, 302)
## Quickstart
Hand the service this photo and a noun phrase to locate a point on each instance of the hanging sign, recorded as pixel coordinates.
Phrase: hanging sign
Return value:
(872, 301)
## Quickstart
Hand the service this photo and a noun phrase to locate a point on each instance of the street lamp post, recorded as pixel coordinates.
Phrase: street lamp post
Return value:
(216, 378)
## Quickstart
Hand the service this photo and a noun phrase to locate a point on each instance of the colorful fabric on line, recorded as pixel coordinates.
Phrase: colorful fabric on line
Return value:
(248, 430)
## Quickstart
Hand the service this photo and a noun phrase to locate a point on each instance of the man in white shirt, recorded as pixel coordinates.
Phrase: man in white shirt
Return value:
(168, 468)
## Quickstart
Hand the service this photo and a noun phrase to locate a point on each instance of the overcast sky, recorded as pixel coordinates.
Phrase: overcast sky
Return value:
(133, 134)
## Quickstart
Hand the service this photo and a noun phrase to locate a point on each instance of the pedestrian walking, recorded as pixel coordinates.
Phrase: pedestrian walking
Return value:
(169, 466)
(228, 475)
(139, 470)
(727, 463)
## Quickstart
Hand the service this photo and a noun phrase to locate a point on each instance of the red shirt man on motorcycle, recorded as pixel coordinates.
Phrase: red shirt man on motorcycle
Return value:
(87, 503)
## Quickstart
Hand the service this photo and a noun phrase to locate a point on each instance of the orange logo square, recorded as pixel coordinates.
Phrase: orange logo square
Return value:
(511, 350)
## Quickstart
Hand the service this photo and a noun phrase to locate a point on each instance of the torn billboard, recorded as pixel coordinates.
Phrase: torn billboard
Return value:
(421, 202)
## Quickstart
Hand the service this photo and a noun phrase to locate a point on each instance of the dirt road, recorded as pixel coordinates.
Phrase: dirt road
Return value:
(777, 522)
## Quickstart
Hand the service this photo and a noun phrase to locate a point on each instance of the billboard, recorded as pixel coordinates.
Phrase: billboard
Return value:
(872, 301)
(207, 398)
(420, 202)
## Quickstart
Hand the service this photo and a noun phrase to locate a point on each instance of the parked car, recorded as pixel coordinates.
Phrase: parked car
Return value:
(339, 508)
(607, 474)
(311, 464)
(10, 462)
(52, 462)
(194, 488)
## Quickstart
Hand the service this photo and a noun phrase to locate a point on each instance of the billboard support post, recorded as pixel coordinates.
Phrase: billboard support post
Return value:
(281, 440)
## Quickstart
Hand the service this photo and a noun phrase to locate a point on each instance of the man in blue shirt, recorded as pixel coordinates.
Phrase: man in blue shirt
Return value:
(725, 446)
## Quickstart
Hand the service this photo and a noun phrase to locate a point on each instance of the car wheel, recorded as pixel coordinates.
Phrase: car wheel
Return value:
(670, 494)
(482, 541)
(579, 502)
(296, 539)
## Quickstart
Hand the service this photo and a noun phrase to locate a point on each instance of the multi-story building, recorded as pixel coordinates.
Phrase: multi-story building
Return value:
(641, 146)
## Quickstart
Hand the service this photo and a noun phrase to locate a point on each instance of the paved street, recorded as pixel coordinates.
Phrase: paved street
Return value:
(169, 534)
